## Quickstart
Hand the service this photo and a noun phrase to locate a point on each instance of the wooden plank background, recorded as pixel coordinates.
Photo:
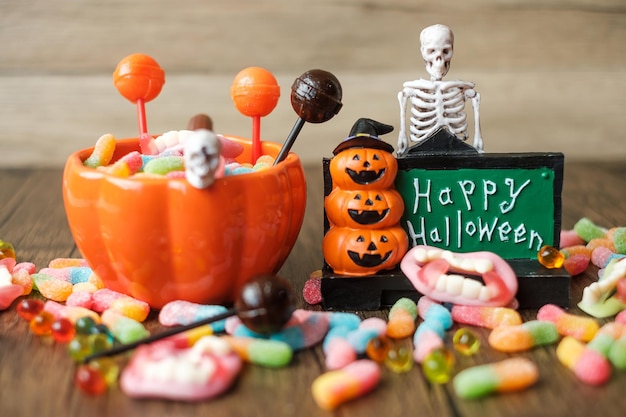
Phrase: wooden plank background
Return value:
(552, 73)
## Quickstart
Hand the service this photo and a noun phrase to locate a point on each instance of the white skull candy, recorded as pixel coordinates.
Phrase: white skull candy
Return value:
(437, 42)
(202, 158)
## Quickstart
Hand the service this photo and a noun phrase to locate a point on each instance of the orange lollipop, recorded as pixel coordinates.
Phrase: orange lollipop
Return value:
(139, 78)
(255, 93)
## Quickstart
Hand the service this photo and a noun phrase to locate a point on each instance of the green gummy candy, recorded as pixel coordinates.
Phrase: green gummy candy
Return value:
(270, 353)
(164, 165)
(617, 354)
(127, 330)
(38, 278)
(404, 304)
(587, 230)
(475, 382)
(609, 307)
(601, 343)
(543, 332)
(619, 240)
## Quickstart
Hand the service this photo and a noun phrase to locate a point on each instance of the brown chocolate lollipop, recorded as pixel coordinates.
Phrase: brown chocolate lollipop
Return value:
(264, 305)
(316, 98)
(200, 121)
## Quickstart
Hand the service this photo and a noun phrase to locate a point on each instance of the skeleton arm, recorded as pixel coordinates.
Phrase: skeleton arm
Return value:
(410, 88)
(403, 143)
(474, 96)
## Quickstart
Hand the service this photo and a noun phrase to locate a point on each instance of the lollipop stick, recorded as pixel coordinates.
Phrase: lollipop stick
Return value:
(295, 131)
(141, 116)
(256, 138)
(162, 335)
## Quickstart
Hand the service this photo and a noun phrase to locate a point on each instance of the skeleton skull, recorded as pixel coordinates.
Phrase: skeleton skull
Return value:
(437, 42)
(202, 158)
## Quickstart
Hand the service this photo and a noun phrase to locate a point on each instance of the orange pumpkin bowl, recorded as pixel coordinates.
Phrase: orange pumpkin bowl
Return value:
(160, 239)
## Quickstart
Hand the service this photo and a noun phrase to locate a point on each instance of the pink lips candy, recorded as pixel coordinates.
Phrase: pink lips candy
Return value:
(163, 370)
(440, 274)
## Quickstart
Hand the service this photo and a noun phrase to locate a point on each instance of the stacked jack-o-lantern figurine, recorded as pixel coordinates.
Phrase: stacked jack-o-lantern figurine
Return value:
(364, 209)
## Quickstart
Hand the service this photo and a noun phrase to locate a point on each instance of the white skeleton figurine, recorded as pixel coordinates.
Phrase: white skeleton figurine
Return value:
(436, 103)
(202, 158)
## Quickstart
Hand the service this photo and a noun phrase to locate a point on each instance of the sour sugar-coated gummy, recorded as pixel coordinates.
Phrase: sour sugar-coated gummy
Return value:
(509, 375)
(588, 230)
(576, 264)
(580, 327)
(524, 336)
(334, 388)
(489, 317)
(402, 317)
(102, 152)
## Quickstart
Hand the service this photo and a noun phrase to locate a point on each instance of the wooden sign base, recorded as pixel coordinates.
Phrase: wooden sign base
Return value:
(537, 286)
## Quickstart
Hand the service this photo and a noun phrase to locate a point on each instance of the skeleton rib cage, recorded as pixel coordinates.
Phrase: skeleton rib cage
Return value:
(434, 104)
(441, 105)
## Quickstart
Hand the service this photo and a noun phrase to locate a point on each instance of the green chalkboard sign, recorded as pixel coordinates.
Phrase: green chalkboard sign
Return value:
(509, 204)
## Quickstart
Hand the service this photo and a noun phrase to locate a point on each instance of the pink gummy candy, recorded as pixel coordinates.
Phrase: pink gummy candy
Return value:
(80, 299)
(230, 149)
(339, 353)
(576, 264)
(621, 317)
(588, 365)
(334, 388)
(103, 298)
(312, 291)
(570, 238)
(380, 325)
(600, 256)
(71, 313)
(425, 342)
(8, 294)
(489, 317)
(133, 160)
(161, 370)
(305, 328)
(423, 304)
(26, 266)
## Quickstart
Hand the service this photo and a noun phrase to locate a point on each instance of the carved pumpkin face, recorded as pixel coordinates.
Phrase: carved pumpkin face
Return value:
(360, 252)
(364, 209)
(363, 168)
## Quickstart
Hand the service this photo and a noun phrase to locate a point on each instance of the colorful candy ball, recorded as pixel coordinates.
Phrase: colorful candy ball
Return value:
(255, 92)
(138, 76)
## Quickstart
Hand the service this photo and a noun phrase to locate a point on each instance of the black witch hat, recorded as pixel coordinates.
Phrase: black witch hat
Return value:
(364, 134)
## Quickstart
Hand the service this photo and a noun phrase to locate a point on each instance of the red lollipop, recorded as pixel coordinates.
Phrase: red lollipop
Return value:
(255, 93)
(139, 78)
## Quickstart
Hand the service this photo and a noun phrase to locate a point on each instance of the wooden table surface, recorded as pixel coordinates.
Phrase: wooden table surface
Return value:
(36, 375)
